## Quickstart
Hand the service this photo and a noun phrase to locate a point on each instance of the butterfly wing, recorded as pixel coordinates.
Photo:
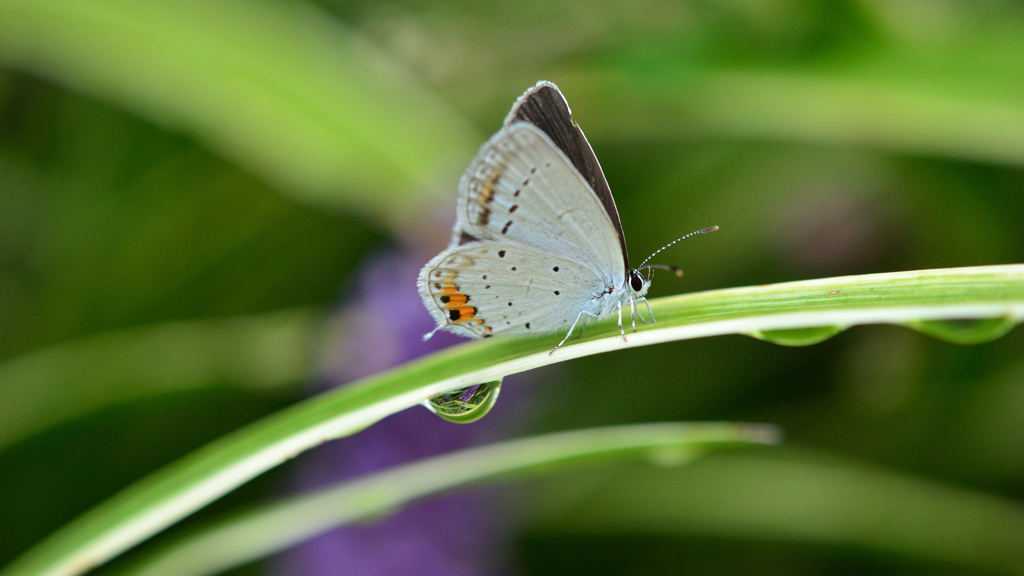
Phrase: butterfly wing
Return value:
(484, 288)
(537, 238)
(545, 107)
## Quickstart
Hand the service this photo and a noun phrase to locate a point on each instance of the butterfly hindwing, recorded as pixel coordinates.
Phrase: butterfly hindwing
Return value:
(486, 288)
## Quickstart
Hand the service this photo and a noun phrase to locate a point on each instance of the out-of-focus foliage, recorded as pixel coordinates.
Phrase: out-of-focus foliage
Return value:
(294, 96)
(261, 352)
(162, 161)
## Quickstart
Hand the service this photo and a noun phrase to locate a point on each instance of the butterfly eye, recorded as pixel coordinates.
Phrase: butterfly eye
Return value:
(636, 281)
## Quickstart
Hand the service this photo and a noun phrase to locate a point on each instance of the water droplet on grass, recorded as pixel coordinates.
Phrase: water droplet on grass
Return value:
(797, 336)
(465, 405)
(973, 331)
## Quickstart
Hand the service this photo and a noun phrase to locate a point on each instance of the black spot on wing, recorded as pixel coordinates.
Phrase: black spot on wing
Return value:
(483, 217)
(466, 238)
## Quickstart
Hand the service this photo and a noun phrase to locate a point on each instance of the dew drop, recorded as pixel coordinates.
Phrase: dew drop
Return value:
(465, 405)
(974, 331)
(797, 336)
(671, 456)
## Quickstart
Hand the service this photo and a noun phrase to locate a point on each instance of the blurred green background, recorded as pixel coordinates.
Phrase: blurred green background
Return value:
(183, 185)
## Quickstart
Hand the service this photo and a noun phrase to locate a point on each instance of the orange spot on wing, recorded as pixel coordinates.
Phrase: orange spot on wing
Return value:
(456, 301)
(466, 314)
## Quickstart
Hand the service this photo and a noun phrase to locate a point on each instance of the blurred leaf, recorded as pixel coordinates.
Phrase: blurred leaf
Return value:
(189, 484)
(51, 386)
(843, 107)
(280, 88)
(267, 529)
(147, 229)
(794, 497)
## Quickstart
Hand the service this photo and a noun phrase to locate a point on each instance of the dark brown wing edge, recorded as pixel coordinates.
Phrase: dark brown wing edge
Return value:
(546, 108)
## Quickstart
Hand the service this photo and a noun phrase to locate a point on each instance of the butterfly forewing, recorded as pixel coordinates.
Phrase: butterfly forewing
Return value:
(546, 108)
(484, 288)
(521, 189)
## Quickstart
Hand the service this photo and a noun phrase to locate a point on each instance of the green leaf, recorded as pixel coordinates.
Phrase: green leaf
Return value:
(51, 386)
(281, 88)
(189, 484)
(270, 528)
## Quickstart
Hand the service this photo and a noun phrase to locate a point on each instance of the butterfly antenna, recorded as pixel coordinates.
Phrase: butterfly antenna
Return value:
(680, 239)
(673, 269)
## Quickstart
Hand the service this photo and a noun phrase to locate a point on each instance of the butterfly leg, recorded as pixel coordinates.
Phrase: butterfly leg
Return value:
(576, 321)
(632, 313)
(649, 313)
(621, 329)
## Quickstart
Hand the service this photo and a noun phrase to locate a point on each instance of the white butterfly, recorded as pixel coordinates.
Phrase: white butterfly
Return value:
(537, 245)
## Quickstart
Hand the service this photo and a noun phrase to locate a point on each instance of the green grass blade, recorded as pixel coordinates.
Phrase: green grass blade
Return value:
(282, 88)
(274, 527)
(878, 109)
(192, 482)
(791, 496)
(45, 388)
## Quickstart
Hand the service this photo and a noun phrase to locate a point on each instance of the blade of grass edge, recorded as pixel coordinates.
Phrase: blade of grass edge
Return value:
(184, 486)
(47, 387)
(257, 533)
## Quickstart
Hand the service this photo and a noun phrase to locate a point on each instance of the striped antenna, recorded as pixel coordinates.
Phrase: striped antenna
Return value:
(680, 239)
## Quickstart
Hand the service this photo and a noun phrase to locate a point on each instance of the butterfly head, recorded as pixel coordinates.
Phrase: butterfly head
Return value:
(638, 283)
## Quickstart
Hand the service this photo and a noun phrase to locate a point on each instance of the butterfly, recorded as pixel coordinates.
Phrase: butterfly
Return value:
(537, 244)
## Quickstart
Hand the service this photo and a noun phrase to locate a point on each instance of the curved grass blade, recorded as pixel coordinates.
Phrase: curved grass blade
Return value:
(792, 496)
(45, 388)
(192, 482)
(261, 532)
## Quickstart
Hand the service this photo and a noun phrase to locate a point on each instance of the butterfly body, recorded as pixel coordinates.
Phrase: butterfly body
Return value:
(537, 245)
